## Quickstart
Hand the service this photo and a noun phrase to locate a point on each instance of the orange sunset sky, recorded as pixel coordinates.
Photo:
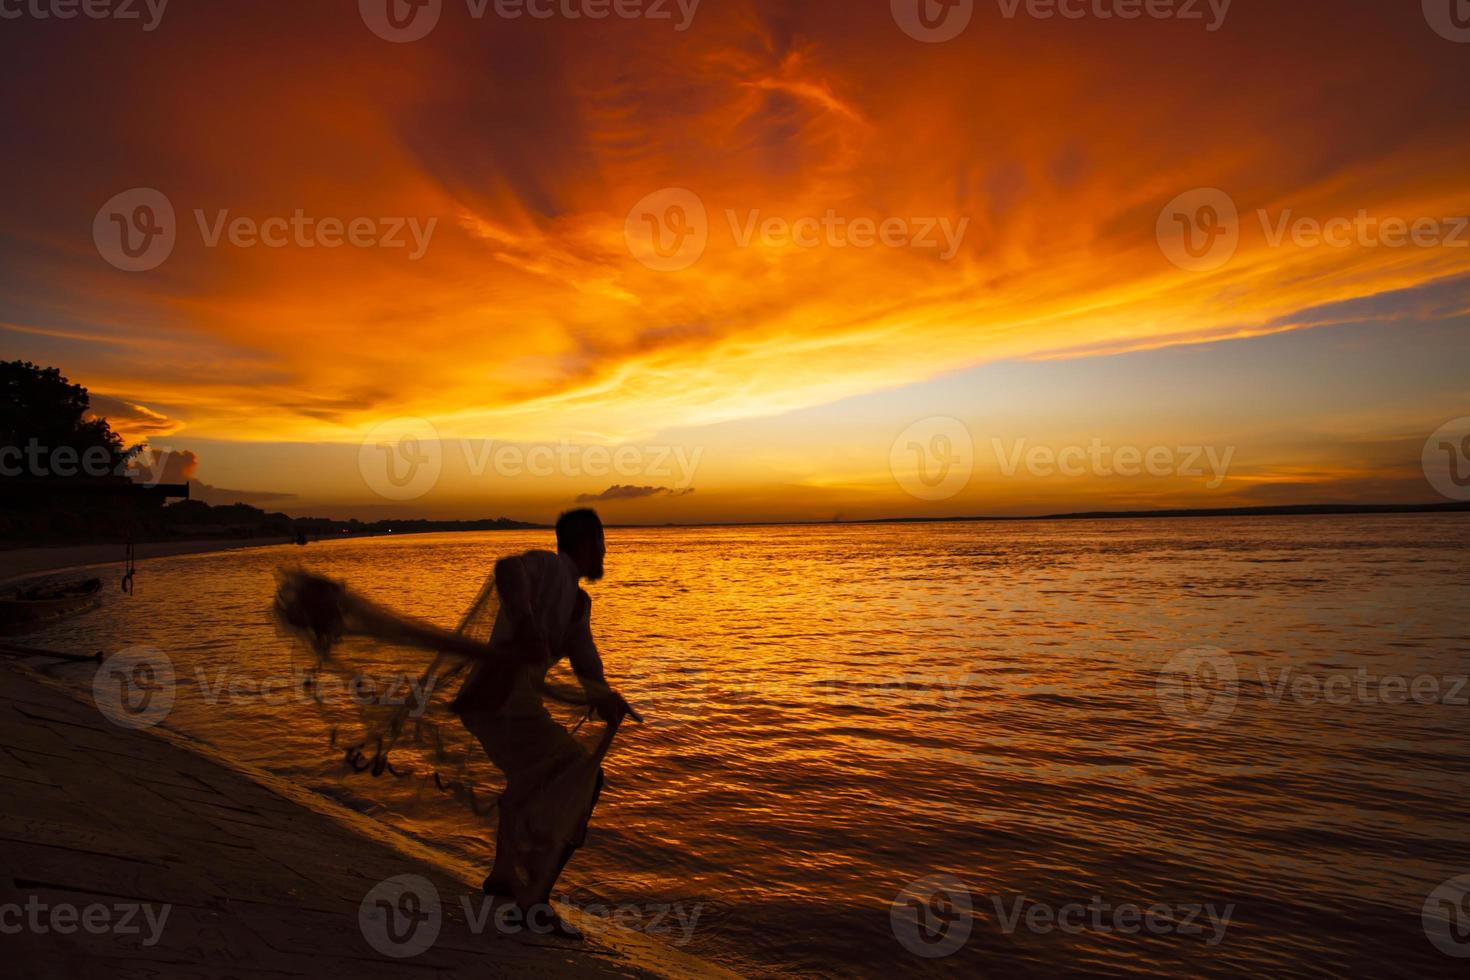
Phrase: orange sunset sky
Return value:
(751, 376)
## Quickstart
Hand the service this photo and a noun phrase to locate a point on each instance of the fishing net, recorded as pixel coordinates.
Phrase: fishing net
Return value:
(385, 685)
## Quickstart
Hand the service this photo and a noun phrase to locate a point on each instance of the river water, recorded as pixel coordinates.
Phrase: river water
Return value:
(1204, 747)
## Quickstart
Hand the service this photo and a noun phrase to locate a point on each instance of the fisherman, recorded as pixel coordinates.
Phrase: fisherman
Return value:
(552, 781)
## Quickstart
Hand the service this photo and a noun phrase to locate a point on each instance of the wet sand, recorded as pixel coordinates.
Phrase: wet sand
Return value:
(20, 562)
(259, 878)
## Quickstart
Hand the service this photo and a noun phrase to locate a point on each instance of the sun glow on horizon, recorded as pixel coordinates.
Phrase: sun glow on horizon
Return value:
(856, 235)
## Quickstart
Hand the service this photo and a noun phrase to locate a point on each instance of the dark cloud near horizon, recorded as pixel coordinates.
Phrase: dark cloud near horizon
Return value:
(179, 466)
(619, 491)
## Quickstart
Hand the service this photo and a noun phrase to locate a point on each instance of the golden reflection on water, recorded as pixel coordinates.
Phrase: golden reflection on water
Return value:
(837, 711)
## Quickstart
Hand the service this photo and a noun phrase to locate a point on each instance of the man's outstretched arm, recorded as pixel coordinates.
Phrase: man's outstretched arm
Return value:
(586, 663)
(581, 650)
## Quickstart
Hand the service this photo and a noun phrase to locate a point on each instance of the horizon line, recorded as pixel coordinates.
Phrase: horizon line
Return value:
(1280, 510)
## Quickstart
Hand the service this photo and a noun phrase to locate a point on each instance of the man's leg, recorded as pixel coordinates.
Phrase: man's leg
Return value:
(498, 741)
(539, 913)
(560, 864)
(538, 756)
(502, 880)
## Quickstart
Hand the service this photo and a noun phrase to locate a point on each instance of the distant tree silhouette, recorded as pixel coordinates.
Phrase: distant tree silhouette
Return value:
(41, 408)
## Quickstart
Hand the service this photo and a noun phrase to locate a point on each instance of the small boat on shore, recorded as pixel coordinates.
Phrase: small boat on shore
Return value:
(38, 604)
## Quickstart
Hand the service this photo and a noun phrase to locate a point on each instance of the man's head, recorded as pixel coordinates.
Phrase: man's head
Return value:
(579, 537)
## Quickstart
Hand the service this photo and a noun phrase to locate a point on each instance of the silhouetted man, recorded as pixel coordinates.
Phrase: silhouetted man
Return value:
(552, 781)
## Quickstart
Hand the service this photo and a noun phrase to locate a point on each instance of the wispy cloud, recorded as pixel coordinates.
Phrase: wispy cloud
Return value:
(528, 317)
(621, 492)
(133, 422)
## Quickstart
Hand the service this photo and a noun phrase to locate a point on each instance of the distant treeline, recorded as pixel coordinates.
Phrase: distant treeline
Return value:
(62, 481)
(1285, 510)
(81, 521)
(102, 520)
(193, 518)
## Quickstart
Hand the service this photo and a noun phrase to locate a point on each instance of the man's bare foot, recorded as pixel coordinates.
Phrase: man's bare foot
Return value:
(542, 920)
(498, 888)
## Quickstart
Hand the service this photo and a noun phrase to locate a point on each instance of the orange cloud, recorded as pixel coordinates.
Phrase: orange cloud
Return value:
(132, 422)
(1054, 145)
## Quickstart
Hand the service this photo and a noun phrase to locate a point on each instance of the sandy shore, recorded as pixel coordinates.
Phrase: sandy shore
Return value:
(221, 870)
(21, 562)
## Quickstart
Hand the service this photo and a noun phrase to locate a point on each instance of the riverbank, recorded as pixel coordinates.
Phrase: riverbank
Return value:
(138, 852)
(22, 562)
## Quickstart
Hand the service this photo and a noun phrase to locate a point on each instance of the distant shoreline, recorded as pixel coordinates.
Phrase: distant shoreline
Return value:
(20, 563)
(1287, 510)
(1292, 510)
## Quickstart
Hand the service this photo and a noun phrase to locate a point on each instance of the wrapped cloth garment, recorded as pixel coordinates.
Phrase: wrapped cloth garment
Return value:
(479, 721)
(552, 784)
